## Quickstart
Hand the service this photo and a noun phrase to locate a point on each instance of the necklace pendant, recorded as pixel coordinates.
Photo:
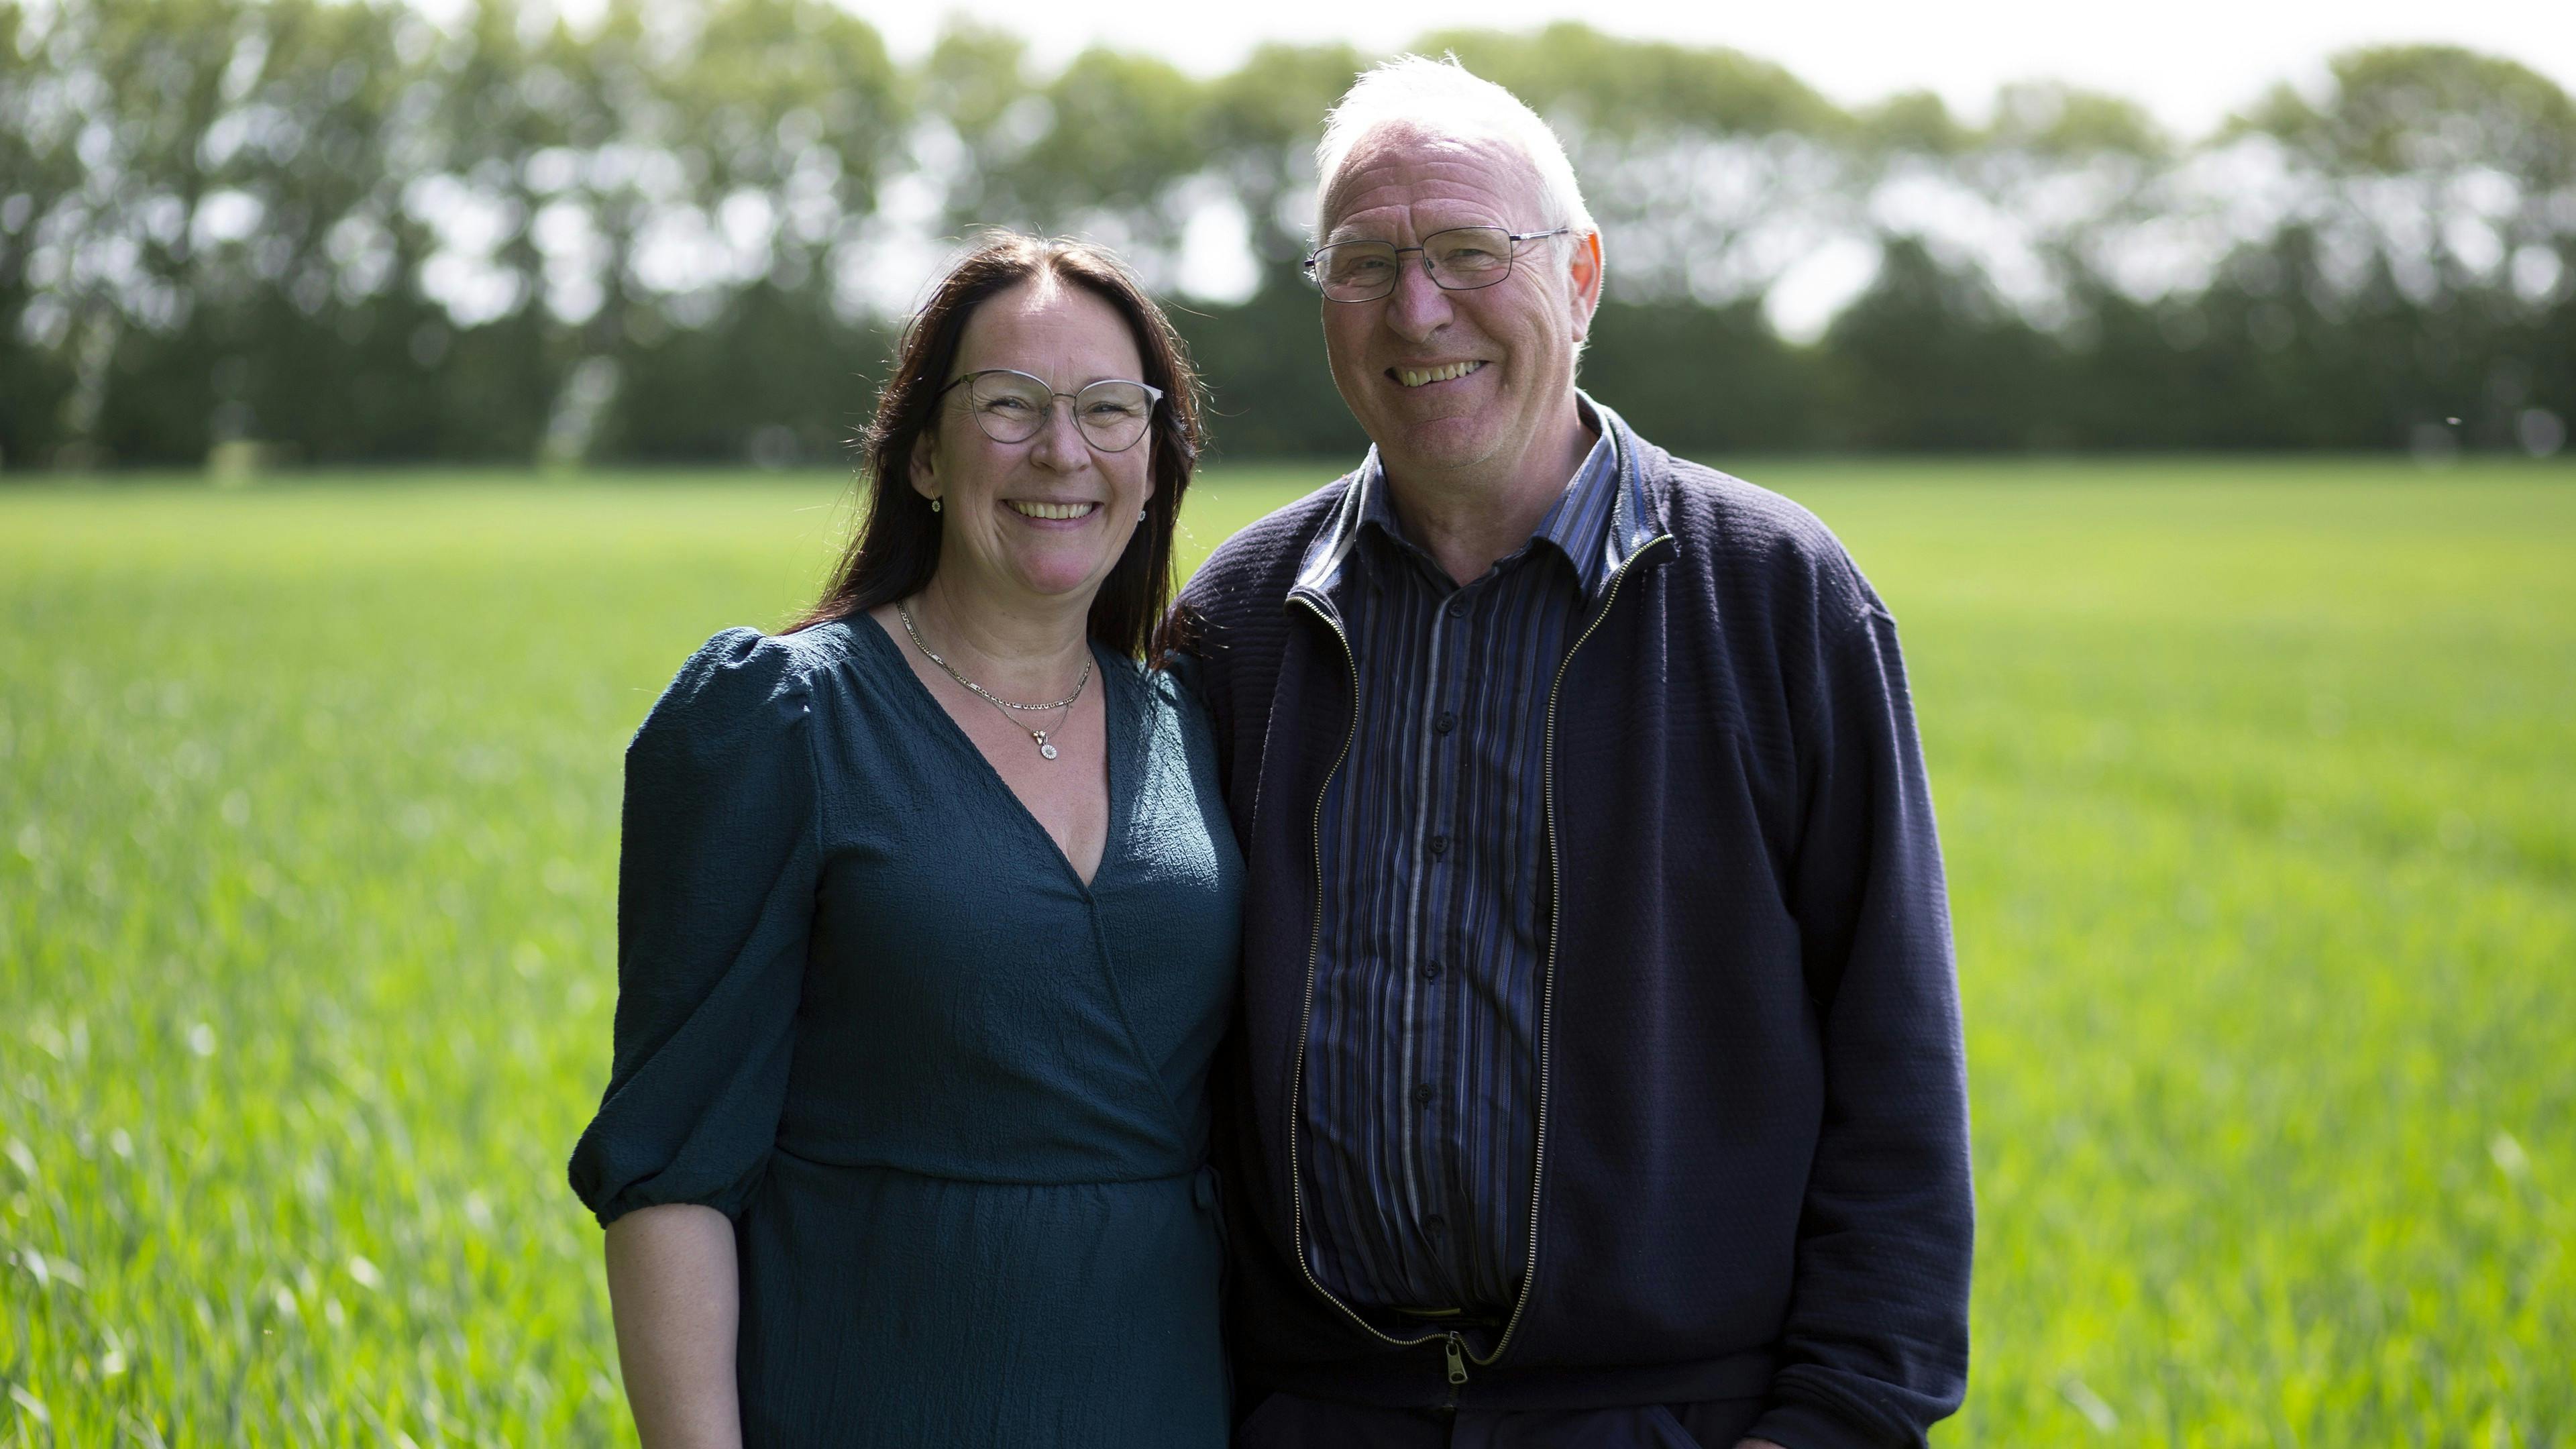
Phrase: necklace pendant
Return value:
(1044, 748)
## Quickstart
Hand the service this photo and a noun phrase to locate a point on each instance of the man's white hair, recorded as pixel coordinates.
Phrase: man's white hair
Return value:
(1447, 99)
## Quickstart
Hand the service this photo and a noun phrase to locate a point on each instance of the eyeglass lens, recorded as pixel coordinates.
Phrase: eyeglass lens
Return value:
(1461, 258)
(1012, 406)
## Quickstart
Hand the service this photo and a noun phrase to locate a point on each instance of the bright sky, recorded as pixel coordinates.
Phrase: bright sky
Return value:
(2191, 61)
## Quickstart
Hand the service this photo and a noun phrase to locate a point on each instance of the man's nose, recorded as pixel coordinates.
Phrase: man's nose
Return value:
(1418, 306)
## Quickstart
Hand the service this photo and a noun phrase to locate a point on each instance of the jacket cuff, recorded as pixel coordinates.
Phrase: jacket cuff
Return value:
(1797, 1425)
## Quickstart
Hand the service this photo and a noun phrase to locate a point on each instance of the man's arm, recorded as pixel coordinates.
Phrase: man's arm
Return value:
(1876, 1345)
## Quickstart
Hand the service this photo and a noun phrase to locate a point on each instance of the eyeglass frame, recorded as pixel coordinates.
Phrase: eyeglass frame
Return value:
(1153, 400)
(1514, 238)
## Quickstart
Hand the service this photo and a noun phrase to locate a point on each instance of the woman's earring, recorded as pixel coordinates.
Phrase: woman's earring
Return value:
(934, 505)
(1140, 515)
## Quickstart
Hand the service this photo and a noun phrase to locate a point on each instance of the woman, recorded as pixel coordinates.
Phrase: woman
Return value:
(926, 929)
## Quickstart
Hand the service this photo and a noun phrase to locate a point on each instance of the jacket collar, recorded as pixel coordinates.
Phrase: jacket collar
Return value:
(1634, 519)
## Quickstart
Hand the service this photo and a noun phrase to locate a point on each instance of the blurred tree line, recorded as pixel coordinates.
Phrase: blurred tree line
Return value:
(343, 231)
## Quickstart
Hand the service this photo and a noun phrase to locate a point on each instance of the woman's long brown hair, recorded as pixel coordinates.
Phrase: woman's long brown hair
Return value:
(897, 546)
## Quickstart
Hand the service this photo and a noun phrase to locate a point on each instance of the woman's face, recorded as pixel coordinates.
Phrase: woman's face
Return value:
(993, 494)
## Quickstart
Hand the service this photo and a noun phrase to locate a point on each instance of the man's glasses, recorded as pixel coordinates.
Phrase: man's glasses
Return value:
(1012, 406)
(1460, 259)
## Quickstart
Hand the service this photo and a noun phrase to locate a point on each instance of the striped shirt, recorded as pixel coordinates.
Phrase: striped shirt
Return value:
(1420, 1086)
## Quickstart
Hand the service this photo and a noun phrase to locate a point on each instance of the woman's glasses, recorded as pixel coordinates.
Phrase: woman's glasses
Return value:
(1011, 407)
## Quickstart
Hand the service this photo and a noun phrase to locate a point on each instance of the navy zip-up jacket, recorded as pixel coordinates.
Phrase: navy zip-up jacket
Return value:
(1752, 1172)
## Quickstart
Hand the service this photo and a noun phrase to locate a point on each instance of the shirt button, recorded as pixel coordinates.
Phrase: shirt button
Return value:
(1423, 1094)
(1457, 608)
(1434, 1225)
(1440, 845)
(1431, 971)
(1445, 723)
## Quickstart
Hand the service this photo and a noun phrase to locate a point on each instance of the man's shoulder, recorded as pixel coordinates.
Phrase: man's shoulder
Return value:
(1257, 564)
(1719, 510)
(1744, 534)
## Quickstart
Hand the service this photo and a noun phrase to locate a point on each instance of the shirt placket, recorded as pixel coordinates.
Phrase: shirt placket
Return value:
(1430, 934)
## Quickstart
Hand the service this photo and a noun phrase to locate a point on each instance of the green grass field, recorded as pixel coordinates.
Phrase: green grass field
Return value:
(2257, 780)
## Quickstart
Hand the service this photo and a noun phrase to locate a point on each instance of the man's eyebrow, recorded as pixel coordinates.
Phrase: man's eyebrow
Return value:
(1347, 233)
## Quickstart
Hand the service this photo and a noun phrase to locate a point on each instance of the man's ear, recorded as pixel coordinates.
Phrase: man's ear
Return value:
(1583, 270)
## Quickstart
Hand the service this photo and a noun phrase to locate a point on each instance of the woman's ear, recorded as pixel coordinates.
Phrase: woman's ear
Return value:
(924, 473)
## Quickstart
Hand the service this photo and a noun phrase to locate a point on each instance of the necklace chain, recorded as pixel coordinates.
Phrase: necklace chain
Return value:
(903, 611)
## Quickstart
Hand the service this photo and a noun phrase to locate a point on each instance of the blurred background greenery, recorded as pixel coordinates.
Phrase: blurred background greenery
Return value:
(291, 230)
(2254, 789)
(2253, 772)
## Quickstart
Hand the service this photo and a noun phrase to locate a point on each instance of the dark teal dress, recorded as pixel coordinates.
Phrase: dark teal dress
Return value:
(952, 1099)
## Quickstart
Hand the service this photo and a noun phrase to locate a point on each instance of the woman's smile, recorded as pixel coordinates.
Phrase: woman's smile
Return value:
(1044, 513)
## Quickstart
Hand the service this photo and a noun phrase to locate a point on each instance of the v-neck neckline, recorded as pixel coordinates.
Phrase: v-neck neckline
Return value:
(1114, 726)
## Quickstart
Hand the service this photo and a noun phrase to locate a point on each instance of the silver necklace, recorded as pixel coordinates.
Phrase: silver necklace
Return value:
(903, 611)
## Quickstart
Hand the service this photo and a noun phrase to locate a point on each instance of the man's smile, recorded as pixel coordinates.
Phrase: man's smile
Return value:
(1425, 376)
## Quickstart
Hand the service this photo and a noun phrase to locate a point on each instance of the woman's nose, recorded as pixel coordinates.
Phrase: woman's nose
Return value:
(1059, 443)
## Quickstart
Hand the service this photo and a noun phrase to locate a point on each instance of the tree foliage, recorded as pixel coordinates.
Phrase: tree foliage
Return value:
(686, 228)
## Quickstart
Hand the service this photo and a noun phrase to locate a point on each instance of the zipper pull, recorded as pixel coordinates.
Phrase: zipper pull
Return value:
(1457, 1360)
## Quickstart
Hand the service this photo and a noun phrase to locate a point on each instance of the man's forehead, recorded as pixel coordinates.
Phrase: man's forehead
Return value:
(1449, 176)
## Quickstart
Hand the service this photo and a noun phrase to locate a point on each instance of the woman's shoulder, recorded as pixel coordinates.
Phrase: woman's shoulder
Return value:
(744, 656)
(1166, 688)
(1171, 695)
(742, 684)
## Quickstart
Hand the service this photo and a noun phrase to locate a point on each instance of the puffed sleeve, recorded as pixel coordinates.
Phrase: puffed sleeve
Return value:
(715, 898)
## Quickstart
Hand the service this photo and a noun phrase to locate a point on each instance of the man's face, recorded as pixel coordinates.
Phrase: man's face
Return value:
(1514, 340)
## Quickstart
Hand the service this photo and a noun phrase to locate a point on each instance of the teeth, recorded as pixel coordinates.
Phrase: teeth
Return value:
(1051, 510)
(1417, 376)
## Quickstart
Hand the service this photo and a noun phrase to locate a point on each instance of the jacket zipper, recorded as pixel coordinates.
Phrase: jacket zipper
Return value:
(1453, 1345)
(1306, 1026)
(1547, 975)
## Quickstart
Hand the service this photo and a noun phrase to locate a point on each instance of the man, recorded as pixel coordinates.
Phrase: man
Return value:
(1600, 1078)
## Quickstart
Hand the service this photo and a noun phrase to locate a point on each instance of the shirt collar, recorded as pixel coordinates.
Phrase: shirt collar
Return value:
(1583, 523)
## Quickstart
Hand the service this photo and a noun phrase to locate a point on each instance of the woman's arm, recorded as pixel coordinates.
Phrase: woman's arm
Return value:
(672, 1290)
